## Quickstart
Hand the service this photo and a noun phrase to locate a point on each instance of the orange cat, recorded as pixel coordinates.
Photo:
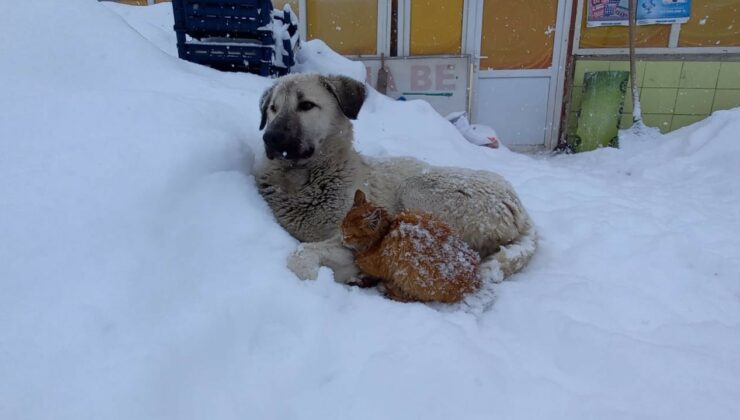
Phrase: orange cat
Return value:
(415, 255)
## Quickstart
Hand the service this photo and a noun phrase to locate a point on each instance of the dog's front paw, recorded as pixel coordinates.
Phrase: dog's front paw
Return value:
(490, 272)
(304, 263)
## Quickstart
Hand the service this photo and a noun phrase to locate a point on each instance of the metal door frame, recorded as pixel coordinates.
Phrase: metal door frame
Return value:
(556, 71)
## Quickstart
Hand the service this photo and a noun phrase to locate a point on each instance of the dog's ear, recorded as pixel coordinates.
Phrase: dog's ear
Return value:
(349, 93)
(264, 102)
(359, 198)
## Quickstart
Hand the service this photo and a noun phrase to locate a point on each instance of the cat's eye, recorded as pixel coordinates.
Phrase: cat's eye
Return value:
(306, 105)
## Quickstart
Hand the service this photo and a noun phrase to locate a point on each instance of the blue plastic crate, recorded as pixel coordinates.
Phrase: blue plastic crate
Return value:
(233, 35)
(231, 56)
(232, 18)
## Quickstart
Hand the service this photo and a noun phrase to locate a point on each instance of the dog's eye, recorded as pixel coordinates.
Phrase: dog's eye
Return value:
(272, 108)
(306, 105)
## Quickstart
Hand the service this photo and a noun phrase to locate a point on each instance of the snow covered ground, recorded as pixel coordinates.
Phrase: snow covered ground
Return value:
(142, 277)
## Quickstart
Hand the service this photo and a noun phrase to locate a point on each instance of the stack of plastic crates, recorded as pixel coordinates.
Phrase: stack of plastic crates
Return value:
(236, 35)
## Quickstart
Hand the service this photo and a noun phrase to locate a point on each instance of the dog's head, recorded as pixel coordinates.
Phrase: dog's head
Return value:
(299, 112)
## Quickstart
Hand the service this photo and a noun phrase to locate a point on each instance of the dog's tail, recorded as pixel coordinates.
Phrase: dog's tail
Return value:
(510, 258)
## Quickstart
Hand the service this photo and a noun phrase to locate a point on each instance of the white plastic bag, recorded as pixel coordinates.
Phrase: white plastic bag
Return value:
(478, 134)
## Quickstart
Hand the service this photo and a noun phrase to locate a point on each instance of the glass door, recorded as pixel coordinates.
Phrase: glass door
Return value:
(518, 69)
(431, 27)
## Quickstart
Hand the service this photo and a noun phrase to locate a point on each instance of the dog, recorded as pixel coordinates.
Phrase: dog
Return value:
(312, 172)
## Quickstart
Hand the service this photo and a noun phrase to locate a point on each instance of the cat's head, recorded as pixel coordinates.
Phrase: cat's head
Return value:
(364, 224)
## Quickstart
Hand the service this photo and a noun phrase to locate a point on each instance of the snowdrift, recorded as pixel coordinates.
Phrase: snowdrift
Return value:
(142, 276)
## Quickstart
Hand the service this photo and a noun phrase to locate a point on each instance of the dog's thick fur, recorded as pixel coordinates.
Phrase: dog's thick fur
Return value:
(312, 173)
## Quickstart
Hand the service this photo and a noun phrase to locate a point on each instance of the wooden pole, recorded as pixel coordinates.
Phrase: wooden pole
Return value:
(636, 109)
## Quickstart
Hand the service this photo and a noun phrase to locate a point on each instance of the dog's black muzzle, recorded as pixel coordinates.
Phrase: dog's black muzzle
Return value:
(283, 145)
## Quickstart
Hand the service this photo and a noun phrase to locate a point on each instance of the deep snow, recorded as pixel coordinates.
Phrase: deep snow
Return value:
(142, 276)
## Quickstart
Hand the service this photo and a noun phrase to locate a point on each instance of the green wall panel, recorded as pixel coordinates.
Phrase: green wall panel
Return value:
(673, 94)
(729, 76)
(694, 101)
(726, 99)
(662, 74)
(699, 75)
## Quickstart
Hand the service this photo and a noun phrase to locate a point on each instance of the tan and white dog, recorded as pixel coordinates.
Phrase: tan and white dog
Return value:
(312, 172)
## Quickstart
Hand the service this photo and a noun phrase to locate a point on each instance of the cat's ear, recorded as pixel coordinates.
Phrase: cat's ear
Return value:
(373, 219)
(359, 198)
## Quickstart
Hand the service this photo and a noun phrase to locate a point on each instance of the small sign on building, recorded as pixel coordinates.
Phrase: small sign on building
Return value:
(443, 81)
(616, 12)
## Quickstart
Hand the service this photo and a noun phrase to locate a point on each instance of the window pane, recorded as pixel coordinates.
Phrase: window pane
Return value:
(518, 34)
(436, 27)
(713, 23)
(348, 27)
(278, 4)
(618, 36)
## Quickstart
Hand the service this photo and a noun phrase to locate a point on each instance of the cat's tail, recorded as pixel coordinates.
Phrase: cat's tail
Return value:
(510, 258)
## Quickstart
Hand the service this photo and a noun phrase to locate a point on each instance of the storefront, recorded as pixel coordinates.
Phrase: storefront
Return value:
(685, 71)
(519, 66)
(514, 51)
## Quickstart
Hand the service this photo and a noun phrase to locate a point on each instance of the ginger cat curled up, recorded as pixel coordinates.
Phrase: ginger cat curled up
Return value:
(415, 255)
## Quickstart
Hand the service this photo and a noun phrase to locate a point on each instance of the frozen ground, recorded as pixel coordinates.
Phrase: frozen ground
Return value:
(142, 277)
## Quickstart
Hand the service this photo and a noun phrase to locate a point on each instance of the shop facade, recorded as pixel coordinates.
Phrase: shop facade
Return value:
(519, 66)
(528, 58)
(685, 71)
(514, 52)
